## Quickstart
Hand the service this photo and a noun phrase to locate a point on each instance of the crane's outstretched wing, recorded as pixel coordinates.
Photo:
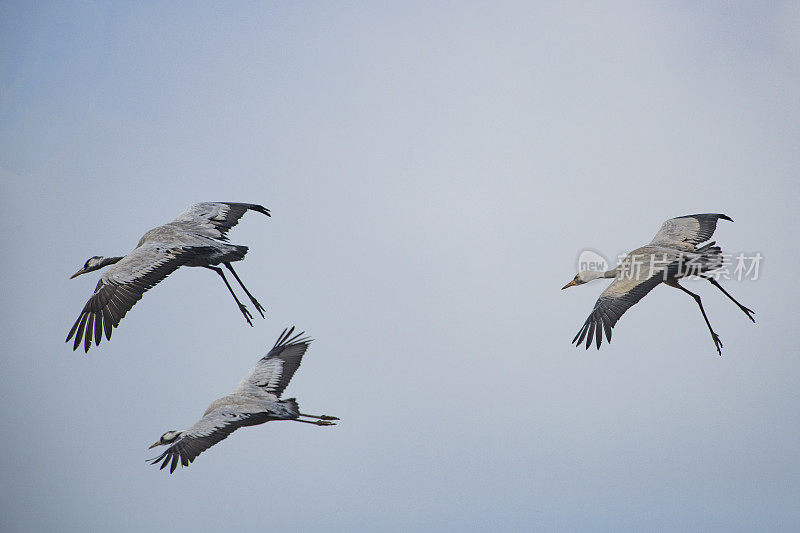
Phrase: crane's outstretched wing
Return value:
(637, 277)
(216, 218)
(272, 373)
(692, 229)
(208, 431)
(122, 285)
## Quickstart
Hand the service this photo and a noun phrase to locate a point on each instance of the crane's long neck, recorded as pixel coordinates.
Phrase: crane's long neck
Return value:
(108, 261)
(586, 276)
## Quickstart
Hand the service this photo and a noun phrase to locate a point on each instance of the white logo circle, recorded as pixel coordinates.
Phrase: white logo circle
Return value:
(591, 260)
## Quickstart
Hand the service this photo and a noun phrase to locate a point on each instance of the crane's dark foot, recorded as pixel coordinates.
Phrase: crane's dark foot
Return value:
(749, 313)
(717, 342)
(320, 417)
(323, 423)
(258, 306)
(246, 313)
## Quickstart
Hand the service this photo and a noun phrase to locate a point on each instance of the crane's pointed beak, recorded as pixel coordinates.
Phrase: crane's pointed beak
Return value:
(78, 273)
(570, 284)
(153, 445)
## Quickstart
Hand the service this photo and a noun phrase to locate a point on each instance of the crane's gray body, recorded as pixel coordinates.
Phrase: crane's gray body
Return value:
(206, 250)
(273, 407)
(650, 261)
(202, 227)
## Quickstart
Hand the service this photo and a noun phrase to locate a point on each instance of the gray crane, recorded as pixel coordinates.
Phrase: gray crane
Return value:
(196, 238)
(674, 253)
(254, 401)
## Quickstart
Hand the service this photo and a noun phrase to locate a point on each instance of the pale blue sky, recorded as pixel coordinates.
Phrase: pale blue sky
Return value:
(433, 170)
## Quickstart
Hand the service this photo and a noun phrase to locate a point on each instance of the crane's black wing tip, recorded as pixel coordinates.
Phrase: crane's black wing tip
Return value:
(169, 457)
(259, 208)
(707, 216)
(83, 333)
(592, 330)
(286, 338)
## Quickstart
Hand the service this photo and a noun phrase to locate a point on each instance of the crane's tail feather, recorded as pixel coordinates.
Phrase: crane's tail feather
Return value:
(239, 252)
(708, 258)
(292, 405)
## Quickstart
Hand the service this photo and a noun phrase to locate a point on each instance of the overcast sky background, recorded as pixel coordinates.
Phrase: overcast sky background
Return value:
(433, 170)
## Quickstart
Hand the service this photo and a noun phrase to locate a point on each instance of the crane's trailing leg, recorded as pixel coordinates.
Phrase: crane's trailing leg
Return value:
(255, 302)
(321, 417)
(316, 422)
(714, 336)
(242, 308)
(745, 310)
